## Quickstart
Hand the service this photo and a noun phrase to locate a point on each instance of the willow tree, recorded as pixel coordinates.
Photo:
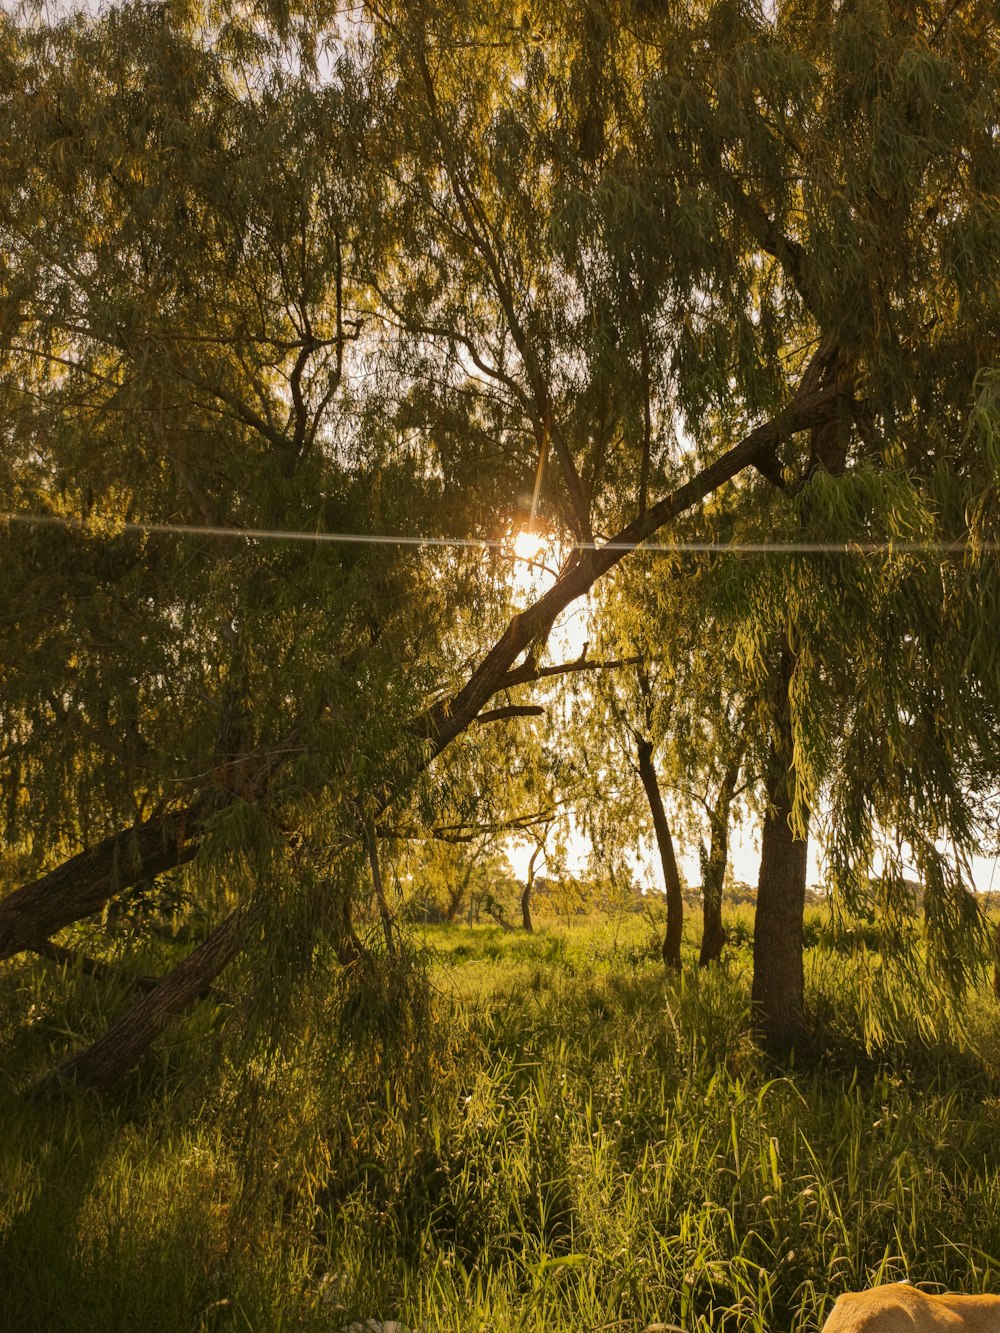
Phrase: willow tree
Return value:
(383, 292)
(182, 335)
(882, 233)
(713, 218)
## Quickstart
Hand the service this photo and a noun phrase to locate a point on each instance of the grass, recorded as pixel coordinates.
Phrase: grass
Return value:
(556, 1137)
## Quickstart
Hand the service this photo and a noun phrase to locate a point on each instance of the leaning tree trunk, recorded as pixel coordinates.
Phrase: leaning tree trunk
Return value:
(668, 860)
(108, 1058)
(26, 918)
(86, 882)
(82, 885)
(713, 935)
(778, 976)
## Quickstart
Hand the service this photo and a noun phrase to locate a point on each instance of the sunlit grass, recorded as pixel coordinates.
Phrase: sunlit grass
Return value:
(595, 1145)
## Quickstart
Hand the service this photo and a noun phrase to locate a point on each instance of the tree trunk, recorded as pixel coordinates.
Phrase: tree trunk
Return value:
(526, 908)
(457, 897)
(493, 909)
(713, 934)
(82, 885)
(529, 885)
(112, 1055)
(668, 860)
(778, 980)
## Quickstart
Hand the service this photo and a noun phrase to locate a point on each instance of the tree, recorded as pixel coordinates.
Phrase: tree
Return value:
(860, 225)
(239, 295)
(677, 711)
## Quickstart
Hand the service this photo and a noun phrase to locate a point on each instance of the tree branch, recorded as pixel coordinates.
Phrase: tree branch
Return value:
(509, 710)
(529, 671)
(461, 833)
(91, 967)
(125, 1041)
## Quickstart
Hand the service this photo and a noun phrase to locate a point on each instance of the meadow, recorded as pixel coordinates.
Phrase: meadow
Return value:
(505, 1132)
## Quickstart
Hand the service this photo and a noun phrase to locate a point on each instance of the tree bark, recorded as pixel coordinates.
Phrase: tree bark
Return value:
(526, 921)
(668, 860)
(82, 885)
(107, 1059)
(526, 909)
(778, 991)
(713, 934)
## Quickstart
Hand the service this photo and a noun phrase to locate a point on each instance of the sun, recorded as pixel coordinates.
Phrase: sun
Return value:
(529, 545)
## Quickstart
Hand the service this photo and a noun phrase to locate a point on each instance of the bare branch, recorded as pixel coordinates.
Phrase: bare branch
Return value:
(507, 711)
(91, 967)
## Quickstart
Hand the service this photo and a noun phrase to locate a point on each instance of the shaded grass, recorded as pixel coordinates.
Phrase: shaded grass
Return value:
(558, 1137)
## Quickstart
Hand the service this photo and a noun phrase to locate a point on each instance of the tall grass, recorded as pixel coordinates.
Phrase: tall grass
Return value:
(566, 1139)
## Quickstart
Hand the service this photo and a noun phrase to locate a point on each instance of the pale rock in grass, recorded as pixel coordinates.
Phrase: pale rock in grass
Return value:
(901, 1308)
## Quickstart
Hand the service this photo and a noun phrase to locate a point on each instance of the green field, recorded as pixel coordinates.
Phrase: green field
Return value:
(511, 1132)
